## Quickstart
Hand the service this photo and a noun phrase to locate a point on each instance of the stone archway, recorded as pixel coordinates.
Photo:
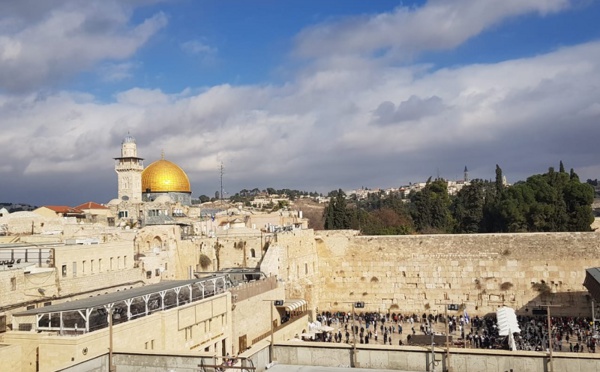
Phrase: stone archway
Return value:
(156, 245)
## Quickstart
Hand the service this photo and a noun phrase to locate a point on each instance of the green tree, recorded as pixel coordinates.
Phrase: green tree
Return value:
(336, 214)
(430, 208)
(467, 208)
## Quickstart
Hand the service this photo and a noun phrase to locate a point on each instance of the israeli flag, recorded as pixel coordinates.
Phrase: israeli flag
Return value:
(467, 319)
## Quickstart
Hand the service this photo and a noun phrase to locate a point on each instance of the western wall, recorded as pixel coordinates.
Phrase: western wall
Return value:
(480, 272)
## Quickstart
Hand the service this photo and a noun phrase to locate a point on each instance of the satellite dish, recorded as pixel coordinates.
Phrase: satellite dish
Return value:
(125, 197)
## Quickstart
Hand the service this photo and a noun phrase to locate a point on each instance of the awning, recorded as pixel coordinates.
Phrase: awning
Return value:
(592, 282)
(292, 305)
(324, 328)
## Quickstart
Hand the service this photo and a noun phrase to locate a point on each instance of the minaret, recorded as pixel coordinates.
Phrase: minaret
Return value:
(129, 170)
(466, 174)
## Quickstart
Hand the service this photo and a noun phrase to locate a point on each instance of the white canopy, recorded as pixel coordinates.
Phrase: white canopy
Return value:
(507, 321)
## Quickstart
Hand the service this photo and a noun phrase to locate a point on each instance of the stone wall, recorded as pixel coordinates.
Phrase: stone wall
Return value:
(407, 358)
(421, 273)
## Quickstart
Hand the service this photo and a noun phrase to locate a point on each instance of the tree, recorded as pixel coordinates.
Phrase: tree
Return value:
(430, 208)
(203, 198)
(467, 208)
(335, 214)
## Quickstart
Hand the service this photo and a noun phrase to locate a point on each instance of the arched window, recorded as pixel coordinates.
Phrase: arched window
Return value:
(252, 253)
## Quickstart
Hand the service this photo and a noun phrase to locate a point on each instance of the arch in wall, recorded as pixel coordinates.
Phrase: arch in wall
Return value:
(252, 253)
(156, 243)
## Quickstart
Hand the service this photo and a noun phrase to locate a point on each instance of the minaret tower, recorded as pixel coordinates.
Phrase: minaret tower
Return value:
(466, 174)
(129, 170)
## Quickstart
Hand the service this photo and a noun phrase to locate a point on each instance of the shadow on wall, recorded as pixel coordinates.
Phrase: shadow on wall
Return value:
(572, 304)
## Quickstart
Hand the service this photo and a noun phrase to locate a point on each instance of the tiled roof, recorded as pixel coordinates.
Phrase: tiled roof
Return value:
(90, 205)
(62, 209)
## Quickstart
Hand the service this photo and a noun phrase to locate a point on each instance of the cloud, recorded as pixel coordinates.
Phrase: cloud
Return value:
(197, 47)
(406, 31)
(412, 109)
(316, 135)
(50, 45)
(114, 72)
(316, 130)
(205, 53)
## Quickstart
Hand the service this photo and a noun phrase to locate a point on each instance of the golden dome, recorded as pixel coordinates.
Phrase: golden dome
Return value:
(164, 176)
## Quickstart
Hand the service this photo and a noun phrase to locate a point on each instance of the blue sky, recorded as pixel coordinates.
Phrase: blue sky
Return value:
(314, 95)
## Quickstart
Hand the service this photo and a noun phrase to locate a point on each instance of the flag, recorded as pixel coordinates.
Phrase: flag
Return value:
(467, 320)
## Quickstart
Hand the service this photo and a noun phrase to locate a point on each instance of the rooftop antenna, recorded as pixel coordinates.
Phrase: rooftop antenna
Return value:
(222, 171)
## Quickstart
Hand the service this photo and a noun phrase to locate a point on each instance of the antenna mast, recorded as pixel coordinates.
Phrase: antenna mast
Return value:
(222, 171)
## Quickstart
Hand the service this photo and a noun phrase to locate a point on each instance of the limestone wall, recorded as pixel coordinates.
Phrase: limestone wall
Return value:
(421, 273)
(247, 326)
(10, 357)
(408, 358)
(299, 264)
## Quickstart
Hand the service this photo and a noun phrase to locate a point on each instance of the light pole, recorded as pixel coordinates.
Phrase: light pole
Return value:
(273, 303)
(358, 305)
(550, 334)
(353, 339)
(447, 339)
(111, 367)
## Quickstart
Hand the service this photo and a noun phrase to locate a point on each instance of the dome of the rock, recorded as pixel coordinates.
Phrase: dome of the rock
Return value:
(164, 176)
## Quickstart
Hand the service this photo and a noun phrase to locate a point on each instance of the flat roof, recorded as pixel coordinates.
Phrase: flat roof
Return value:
(101, 300)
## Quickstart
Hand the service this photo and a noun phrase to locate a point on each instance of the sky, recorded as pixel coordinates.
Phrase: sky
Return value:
(299, 94)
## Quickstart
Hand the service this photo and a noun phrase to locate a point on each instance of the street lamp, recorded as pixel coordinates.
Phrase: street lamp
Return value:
(111, 367)
(273, 304)
(358, 305)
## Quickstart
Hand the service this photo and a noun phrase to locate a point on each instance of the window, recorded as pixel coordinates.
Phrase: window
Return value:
(30, 307)
(305, 269)
(125, 262)
(64, 271)
(111, 264)
(83, 267)
(148, 274)
(99, 265)
(74, 269)
(157, 272)
(48, 303)
(91, 266)
(123, 214)
(252, 253)
(118, 262)
(26, 327)
(13, 284)
(165, 266)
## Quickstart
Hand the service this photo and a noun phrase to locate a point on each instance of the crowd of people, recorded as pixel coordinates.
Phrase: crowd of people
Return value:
(569, 334)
